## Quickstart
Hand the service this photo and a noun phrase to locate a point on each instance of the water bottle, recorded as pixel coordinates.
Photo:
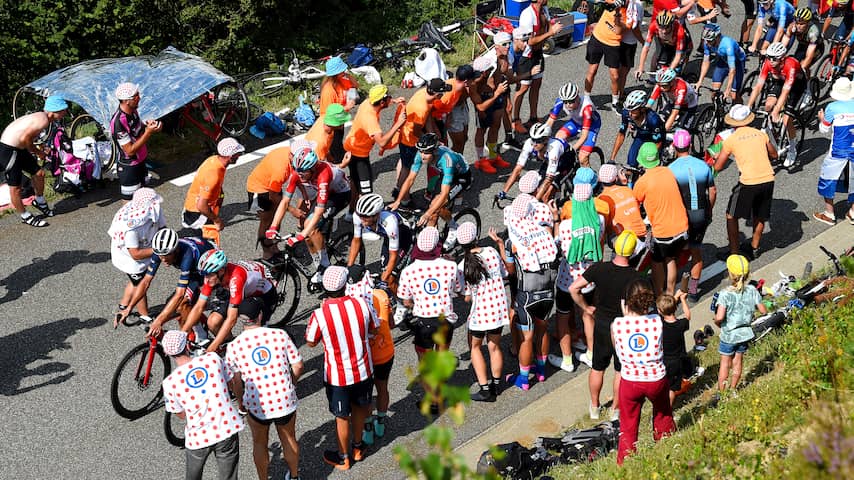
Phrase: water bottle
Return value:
(714, 305)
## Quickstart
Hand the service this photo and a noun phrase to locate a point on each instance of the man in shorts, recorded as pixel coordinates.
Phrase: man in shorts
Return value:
(342, 324)
(837, 118)
(264, 189)
(605, 43)
(131, 135)
(610, 279)
(536, 19)
(752, 196)
(18, 155)
(205, 196)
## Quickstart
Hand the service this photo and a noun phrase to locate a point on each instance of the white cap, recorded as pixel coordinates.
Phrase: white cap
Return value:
(501, 37)
(522, 33)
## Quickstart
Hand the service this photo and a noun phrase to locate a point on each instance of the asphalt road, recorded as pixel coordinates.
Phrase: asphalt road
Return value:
(58, 352)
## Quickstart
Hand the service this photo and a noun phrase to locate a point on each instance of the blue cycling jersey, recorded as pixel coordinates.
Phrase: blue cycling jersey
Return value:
(839, 120)
(189, 251)
(694, 177)
(781, 10)
(651, 130)
(727, 49)
(449, 162)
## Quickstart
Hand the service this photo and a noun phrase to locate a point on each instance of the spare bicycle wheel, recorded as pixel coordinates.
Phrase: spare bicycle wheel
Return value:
(231, 109)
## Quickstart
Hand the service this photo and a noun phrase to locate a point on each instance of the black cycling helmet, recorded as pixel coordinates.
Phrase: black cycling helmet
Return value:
(427, 143)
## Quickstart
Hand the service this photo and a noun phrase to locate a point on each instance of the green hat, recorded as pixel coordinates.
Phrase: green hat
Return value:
(648, 155)
(335, 115)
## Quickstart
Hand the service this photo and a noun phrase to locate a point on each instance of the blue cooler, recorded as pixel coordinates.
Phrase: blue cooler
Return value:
(513, 8)
(580, 27)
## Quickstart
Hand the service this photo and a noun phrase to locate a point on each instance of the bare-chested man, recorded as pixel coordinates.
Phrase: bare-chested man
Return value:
(18, 155)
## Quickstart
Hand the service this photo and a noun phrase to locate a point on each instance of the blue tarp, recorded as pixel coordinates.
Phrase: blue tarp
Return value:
(167, 82)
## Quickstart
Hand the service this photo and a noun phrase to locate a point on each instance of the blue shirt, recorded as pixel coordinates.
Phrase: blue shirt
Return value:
(652, 129)
(781, 10)
(450, 162)
(739, 313)
(727, 49)
(189, 251)
(694, 177)
(839, 120)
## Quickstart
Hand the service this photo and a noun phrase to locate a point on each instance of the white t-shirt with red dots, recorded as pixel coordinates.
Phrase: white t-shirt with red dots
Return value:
(263, 357)
(431, 285)
(638, 344)
(489, 300)
(199, 388)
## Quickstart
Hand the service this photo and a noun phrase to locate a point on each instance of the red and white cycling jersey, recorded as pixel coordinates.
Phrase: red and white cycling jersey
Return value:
(681, 95)
(786, 71)
(325, 177)
(675, 37)
(244, 280)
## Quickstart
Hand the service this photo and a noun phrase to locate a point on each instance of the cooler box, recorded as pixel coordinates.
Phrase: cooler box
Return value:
(580, 27)
(513, 8)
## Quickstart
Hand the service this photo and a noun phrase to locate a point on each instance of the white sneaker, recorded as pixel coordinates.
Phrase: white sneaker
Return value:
(584, 358)
(791, 155)
(557, 362)
(615, 414)
(451, 239)
(317, 277)
(594, 412)
(579, 346)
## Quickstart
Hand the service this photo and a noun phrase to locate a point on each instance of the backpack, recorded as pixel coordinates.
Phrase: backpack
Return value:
(268, 124)
(583, 446)
(517, 463)
(72, 174)
(304, 114)
(360, 56)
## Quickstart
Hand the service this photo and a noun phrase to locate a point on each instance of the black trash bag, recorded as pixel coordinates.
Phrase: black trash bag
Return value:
(518, 462)
(583, 446)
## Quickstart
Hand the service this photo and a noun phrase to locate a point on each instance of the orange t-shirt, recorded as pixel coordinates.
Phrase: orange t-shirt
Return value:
(444, 104)
(318, 135)
(605, 29)
(747, 146)
(417, 112)
(207, 184)
(271, 172)
(664, 207)
(365, 125)
(602, 208)
(334, 91)
(382, 343)
(625, 212)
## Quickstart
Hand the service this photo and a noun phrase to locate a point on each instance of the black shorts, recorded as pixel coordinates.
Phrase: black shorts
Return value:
(135, 278)
(487, 118)
(665, 248)
(564, 302)
(773, 88)
(262, 200)
(361, 174)
(751, 201)
(532, 305)
(383, 371)
(342, 398)
(423, 330)
(801, 51)
(627, 54)
(481, 334)
(131, 178)
(16, 161)
(596, 50)
(749, 9)
(603, 348)
(280, 421)
(527, 64)
(677, 369)
(698, 222)
(219, 303)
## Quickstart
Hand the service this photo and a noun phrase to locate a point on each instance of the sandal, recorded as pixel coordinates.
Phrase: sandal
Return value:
(44, 208)
(35, 221)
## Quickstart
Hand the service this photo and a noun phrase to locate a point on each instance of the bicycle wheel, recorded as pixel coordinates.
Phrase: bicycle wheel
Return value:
(596, 158)
(289, 290)
(26, 101)
(131, 394)
(825, 75)
(173, 427)
(264, 84)
(231, 108)
(749, 81)
(106, 149)
(339, 248)
(705, 129)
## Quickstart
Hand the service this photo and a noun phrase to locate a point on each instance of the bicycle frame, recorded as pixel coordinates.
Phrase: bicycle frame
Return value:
(210, 127)
(148, 360)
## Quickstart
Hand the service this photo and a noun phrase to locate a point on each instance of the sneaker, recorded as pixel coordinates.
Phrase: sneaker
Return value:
(451, 239)
(368, 434)
(483, 396)
(579, 345)
(379, 426)
(557, 362)
(499, 162)
(791, 155)
(518, 381)
(594, 412)
(615, 414)
(584, 358)
(823, 217)
(360, 451)
(44, 208)
(539, 372)
(512, 143)
(484, 166)
(335, 459)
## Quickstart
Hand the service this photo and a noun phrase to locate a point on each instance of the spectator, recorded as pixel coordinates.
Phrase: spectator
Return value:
(338, 86)
(658, 191)
(264, 189)
(364, 133)
(751, 197)
(205, 196)
(489, 94)
(605, 42)
(328, 134)
(257, 355)
(16, 157)
(537, 20)
(629, 40)
(197, 391)
(508, 48)
(734, 312)
(347, 371)
(131, 135)
(837, 118)
(697, 185)
(637, 341)
(451, 110)
(610, 279)
(624, 208)
(131, 232)
(676, 362)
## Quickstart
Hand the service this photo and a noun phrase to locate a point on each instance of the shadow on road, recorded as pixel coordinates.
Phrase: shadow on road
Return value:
(786, 223)
(35, 344)
(28, 276)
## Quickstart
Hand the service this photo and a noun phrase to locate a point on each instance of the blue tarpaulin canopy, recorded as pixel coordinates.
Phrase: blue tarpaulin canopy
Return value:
(167, 82)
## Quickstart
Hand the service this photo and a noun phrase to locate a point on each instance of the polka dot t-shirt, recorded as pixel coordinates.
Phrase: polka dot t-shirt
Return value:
(199, 389)
(263, 357)
(639, 347)
(489, 299)
(430, 284)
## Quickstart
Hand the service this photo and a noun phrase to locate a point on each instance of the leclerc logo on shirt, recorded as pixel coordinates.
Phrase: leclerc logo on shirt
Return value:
(197, 377)
(431, 286)
(638, 342)
(261, 356)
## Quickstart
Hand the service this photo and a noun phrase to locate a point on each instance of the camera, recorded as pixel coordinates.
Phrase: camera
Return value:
(611, 7)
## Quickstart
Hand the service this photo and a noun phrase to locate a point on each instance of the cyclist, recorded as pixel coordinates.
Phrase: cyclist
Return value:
(397, 238)
(556, 155)
(808, 35)
(237, 282)
(786, 83)
(845, 9)
(455, 176)
(673, 43)
(729, 62)
(640, 121)
(775, 17)
(584, 121)
(333, 195)
(183, 254)
(678, 99)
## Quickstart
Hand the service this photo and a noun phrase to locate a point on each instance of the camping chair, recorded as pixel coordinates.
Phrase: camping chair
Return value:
(483, 13)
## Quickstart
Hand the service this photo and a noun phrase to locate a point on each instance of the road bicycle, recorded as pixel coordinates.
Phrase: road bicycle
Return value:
(779, 136)
(708, 122)
(271, 82)
(830, 67)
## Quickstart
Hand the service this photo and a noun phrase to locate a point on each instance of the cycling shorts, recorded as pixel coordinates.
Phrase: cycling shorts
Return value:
(698, 222)
(572, 129)
(337, 202)
(361, 174)
(686, 116)
(773, 88)
(770, 32)
(721, 72)
(405, 241)
(219, 302)
(801, 51)
(16, 161)
(531, 306)
(566, 166)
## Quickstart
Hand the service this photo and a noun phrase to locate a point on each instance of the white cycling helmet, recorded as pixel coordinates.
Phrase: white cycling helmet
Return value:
(776, 50)
(164, 241)
(369, 205)
(568, 92)
(540, 132)
(635, 100)
(665, 75)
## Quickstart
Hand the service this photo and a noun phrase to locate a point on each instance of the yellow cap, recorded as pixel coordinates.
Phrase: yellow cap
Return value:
(625, 243)
(737, 265)
(377, 93)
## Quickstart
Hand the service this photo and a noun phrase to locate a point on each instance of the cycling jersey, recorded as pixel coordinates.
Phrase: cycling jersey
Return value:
(788, 71)
(650, 130)
(781, 10)
(243, 280)
(126, 128)
(839, 120)
(677, 37)
(681, 95)
(325, 177)
(189, 251)
(387, 227)
(449, 162)
(553, 154)
(728, 50)
(584, 116)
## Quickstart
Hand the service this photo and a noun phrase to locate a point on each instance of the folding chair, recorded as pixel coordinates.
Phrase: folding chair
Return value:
(483, 12)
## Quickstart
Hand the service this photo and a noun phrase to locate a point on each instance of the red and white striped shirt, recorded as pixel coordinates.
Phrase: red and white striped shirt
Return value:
(638, 344)
(342, 324)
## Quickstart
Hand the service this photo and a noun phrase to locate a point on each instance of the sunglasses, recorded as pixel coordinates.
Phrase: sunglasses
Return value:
(504, 45)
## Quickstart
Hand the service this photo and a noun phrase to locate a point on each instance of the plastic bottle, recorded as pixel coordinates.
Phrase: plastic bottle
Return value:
(714, 305)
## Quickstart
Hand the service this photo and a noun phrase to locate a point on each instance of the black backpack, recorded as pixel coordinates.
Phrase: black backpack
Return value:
(583, 446)
(518, 462)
